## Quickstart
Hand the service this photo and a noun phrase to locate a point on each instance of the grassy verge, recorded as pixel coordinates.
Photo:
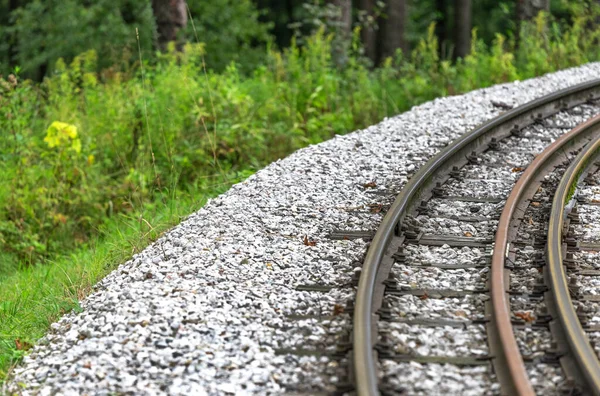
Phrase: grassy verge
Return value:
(96, 165)
(36, 296)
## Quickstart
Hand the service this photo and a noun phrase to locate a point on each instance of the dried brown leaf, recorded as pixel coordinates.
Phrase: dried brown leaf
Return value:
(376, 208)
(309, 242)
(526, 316)
(22, 345)
(338, 309)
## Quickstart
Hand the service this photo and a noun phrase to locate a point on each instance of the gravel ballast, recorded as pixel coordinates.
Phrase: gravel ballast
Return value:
(214, 306)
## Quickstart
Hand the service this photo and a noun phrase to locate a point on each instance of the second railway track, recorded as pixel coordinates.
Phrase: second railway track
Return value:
(448, 237)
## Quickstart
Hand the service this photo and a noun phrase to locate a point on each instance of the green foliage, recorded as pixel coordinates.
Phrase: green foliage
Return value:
(231, 31)
(86, 146)
(42, 31)
(47, 30)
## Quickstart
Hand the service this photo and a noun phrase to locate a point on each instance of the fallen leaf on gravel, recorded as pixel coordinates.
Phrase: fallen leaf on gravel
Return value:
(461, 313)
(338, 309)
(536, 204)
(424, 297)
(517, 169)
(370, 185)
(468, 234)
(376, 208)
(309, 242)
(526, 316)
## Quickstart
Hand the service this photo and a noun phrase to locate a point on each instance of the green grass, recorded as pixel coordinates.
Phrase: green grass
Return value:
(141, 150)
(36, 296)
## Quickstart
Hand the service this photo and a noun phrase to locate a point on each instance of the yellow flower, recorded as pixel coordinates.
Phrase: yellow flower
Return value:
(61, 133)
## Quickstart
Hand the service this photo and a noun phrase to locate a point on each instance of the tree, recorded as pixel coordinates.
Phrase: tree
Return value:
(344, 17)
(441, 10)
(462, 28)
(341, 21)
(12, 44)
(231, 31)
(171, 16)
(368, 33)
(52, 29)
(528, 9)
(394, 28)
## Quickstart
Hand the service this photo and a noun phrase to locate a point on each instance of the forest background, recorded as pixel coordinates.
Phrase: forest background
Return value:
(120, 117)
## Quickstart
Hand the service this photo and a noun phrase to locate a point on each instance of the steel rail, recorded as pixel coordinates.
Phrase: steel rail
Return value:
(584, 356)
(526, 183)
(364, 362)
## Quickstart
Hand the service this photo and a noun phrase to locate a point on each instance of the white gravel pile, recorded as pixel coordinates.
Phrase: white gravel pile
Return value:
(206, 309)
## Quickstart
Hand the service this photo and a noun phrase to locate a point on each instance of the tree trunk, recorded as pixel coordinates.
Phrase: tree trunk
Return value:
(462, 28)
(342, 24)
(12, 38)
(395, 25)
(440, 26)
(171, 16)
(369, 34)
(344, 21)
(528, 9)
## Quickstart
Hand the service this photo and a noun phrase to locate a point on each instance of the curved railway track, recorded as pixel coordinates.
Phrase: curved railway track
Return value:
(484, 147)
(582, 359)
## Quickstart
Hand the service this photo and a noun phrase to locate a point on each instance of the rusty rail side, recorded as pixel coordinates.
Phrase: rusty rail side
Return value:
(580, 350)
(499, 296)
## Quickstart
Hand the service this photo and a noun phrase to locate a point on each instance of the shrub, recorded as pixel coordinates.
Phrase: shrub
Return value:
(86, 146)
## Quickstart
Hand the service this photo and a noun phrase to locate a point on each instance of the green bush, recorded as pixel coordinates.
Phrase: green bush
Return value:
(47, 30)
(41, 32)
(231, 31)
(146, 132)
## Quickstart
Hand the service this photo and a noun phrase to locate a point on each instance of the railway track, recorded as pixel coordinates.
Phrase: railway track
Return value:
(570, 279)
(469, 229)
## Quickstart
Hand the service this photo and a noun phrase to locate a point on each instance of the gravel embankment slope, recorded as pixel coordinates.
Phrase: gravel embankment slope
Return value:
(206, 308)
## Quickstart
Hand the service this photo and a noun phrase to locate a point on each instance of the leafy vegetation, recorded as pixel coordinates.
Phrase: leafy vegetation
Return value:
(98, 160)
(51, 29)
